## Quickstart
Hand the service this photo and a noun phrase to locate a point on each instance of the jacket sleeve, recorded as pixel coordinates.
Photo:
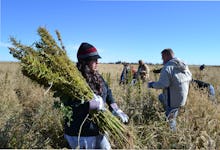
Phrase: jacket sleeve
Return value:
(164, 80)
(109, 99)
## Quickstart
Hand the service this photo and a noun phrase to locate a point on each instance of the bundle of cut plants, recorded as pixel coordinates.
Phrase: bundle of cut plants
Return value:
(48, 64)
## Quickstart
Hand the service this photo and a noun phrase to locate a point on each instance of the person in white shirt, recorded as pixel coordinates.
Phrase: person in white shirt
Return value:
(175, 78)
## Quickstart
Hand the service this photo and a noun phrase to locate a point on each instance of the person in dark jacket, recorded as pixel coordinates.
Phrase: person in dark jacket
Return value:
(202, 67)
(88, 136)
(203, 85)
(124, 74)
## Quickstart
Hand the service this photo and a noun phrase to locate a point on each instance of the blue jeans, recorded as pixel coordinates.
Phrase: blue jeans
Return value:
(211, 90)
(90, 142)
(171, 113)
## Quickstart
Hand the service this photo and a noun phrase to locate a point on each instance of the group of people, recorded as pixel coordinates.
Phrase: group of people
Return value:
(142, 73)
(175, 78)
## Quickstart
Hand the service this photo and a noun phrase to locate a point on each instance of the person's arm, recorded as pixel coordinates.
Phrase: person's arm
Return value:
(113, 107)
(96, 103)
(109, 97)
(163, 82)
(147, 69)
(144, 67)
(157, 70)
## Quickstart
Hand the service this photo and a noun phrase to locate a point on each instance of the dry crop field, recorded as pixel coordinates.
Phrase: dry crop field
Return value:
(29, 120)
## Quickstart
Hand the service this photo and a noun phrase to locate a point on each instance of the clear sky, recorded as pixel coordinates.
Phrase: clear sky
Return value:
(120, 30)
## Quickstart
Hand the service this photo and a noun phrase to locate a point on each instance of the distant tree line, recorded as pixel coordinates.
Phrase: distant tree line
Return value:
(121, 62)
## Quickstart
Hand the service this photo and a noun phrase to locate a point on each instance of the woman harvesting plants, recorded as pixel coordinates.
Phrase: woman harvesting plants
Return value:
(90, 136)
(49, 65)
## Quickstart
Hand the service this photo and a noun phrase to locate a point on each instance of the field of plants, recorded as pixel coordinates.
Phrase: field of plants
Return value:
(29, 119)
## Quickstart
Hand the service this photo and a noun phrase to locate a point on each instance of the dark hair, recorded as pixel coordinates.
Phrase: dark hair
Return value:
(140, 62)
(202, 67)
(168, 51)
(93, 79)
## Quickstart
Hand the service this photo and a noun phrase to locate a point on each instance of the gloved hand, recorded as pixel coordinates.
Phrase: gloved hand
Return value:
(133, 81)
(124, 118)
(97, 103)
(150, 84)
(157, 70)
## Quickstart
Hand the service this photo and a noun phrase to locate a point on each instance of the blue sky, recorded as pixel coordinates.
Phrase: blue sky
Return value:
(120, 30)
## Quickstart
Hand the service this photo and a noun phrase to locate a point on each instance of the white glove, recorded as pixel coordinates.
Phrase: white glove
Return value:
(133, 81)
(101, 105)
(124, 118)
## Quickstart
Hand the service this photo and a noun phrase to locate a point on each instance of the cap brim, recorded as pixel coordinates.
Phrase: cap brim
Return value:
(94, 57)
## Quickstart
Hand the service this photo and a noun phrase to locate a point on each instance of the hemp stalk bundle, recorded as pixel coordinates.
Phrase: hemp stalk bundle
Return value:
(48, 64)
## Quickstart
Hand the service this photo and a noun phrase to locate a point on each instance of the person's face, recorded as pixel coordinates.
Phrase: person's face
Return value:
(165, 58)
(93, 65)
